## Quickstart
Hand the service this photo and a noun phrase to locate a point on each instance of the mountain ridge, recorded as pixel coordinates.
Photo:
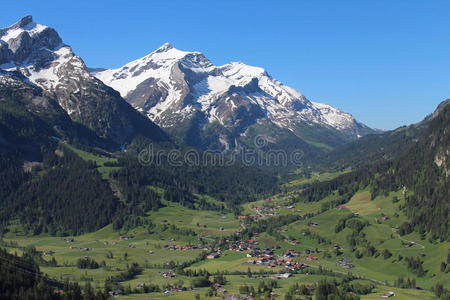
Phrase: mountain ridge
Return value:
(196, 102)
(170, 85)
(38, 53)
(386, 145)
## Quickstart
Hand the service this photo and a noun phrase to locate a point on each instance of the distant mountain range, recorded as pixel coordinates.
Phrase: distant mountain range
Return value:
(222, 106)
(194, 101)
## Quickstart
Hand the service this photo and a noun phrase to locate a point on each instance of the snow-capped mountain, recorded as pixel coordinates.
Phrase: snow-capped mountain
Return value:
(186, 94)
(204, 105)
(38, 54)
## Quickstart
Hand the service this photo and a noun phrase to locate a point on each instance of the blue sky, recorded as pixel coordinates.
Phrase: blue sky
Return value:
(387, 61)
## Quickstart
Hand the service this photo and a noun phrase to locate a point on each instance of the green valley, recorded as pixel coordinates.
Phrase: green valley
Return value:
(173, 245)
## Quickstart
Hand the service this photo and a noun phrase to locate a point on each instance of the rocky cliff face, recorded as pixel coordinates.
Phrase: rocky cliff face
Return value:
(188, 95)
(439, 138)
(38, 53)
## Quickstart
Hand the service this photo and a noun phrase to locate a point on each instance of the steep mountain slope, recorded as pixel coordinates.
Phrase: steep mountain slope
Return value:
(372, 148)
(29, 119)
(66, 190)
(21, 278)
(420, 169)
(38, 53)
(218, 106)
(425, 171)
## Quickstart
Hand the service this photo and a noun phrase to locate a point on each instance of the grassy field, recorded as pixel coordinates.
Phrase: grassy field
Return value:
(235, 281)
(147, 247)
(100, 160)
(207, 223)
(137, 249)
(314, 177)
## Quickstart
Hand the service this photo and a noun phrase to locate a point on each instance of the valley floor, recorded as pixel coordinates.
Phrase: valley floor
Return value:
(167, 254)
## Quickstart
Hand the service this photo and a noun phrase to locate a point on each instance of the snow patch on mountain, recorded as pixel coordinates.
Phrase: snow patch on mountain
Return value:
(157, 64)
(13, 32)
(37, 51)
(334, 117)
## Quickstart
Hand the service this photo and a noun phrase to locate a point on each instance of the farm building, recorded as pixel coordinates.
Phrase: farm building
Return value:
(213, 255)
(388, 295)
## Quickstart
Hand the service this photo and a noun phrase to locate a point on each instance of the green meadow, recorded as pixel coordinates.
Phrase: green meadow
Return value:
(147, 247)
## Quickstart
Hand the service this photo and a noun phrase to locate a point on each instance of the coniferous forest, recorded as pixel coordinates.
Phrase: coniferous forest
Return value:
(174, 178)
(416, 171)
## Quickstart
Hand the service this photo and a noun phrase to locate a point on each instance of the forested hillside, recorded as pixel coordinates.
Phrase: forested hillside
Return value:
(63, 195)
(21, 279)
(51, 189)
(66, 195)
(374, 148)
(421, 171)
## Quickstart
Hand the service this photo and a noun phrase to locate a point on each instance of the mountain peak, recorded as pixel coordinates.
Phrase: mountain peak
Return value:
(37, 53)
(23, 22)
(164, 47)
(27, 40)
(171, 85)
(167, 50)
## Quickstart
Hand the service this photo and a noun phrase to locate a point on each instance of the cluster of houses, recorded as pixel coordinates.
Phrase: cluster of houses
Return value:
(256, 252)
(170, 290)
(249, 217)
(291, 253)
(243, 245)
(270, 210)
(266, 257)
(292, 265)
(184, 248)
(237, 297)
(81, 248)
(345, 263)
(219, 288)
(168, 274)
(262, 212)
(265, 211)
